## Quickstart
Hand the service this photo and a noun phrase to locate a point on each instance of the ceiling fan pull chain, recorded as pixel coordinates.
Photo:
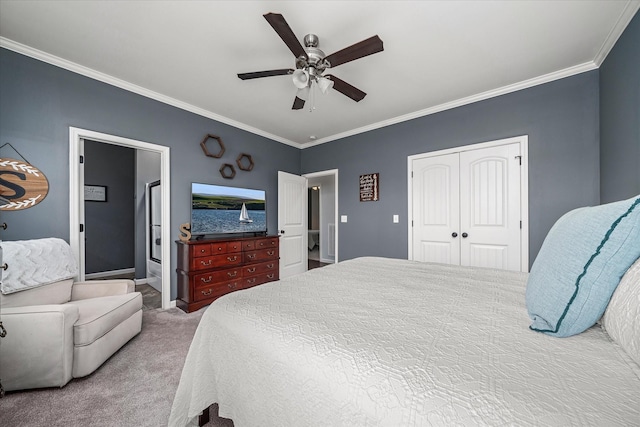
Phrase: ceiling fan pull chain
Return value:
(312, 95)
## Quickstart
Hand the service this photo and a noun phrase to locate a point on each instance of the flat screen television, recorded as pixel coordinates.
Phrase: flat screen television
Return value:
(216, 209)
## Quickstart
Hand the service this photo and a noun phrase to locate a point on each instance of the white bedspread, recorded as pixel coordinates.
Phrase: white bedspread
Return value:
(384, 342)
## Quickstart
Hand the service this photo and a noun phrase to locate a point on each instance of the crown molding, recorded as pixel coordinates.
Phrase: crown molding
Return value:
(630, 10)
(556, 75)
(625, 17)
(113, 81)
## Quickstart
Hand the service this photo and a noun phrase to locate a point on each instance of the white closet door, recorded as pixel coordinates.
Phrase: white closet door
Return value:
(490, 207)
(436, 209)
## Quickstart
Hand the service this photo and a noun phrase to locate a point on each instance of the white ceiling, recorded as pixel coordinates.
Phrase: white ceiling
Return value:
(437, 54)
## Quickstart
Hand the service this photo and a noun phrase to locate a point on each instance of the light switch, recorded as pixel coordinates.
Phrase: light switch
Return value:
(343, 218)
(396, 219)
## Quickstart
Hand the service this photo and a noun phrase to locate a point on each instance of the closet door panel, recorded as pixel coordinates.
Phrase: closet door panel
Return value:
(436, 209)
(490, 207)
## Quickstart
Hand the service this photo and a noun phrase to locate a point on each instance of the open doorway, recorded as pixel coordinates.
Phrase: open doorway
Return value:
(77, 139)
(322, 218)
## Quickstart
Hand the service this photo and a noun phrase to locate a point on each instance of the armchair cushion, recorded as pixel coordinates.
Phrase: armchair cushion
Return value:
(98, 316)
(101, 288)
(54, 293)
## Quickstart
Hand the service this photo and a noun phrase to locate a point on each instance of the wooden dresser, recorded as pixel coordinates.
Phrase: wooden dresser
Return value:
(208, 269)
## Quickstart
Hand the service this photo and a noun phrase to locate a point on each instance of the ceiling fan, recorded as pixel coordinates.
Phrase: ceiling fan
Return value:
(311, 62)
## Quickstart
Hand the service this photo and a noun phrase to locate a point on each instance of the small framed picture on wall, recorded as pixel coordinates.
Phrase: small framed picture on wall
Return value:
(95, 193)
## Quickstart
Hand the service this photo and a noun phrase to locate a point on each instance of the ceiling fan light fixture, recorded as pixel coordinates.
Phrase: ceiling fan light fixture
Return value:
(301, 78)
(303, 93)
(324, 84)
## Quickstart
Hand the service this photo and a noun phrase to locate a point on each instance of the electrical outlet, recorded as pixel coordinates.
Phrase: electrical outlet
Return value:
(396, 219)
(343, 218)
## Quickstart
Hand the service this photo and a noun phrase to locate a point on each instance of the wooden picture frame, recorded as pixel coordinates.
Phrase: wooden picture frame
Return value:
(95, 193)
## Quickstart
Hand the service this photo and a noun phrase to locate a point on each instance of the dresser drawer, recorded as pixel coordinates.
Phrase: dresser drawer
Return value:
(271, 242)
(248, 282)
(206, 292)
(248, 245)
(213, 277)
(261, 268)
(200, 250)
(212, 261)
(261, 255)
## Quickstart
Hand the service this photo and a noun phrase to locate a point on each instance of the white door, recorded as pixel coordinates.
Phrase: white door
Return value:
(436, 207)
(292, 223)
(490, 207)
(466, 208)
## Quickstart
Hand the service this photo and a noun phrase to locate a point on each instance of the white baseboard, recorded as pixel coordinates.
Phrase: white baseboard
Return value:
(102, 274)
(327, 260)
(141, 281)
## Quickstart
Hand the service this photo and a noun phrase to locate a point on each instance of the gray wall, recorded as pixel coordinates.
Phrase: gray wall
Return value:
(560, 118)
(110, 225)
(38, 103)
(620, 117)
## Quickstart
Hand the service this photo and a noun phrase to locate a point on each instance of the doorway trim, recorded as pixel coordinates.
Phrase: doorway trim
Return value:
(76, 197)
(334, 173)
(523, 140)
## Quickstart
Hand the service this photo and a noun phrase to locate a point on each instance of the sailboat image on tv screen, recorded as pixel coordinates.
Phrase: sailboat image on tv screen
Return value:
(244, 216)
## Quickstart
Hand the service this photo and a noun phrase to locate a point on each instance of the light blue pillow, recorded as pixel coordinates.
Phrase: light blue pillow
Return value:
(581, 262)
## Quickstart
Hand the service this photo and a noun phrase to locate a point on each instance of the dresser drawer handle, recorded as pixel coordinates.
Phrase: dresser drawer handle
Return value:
(270, 266)
(251, 256)
(251, 270)
(234, 274)
(271, 276)
(252, 280)
(232, 285)
(203, 251)
(270, 253)
(232, 259)
(206, 263)
(220, 248)
(203, 280)
(207, 292)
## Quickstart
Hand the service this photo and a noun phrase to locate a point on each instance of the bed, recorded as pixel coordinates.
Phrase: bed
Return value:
(388, 342)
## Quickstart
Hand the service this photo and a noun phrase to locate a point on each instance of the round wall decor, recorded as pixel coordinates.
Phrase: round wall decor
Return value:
(21, 185)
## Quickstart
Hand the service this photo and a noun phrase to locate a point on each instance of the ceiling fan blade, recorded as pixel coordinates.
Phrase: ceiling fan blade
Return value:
(281, 27)
(298, 104)
(346, 89)
(365, 47)
(270, 73)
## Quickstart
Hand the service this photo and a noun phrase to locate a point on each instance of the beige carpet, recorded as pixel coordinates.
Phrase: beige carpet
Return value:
(135, 387)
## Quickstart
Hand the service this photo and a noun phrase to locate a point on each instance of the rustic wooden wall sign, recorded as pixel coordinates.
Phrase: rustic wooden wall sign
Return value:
(369, 188)
(21, 185)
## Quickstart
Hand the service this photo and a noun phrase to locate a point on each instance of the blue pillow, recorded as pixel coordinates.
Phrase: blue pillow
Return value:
(580, 264)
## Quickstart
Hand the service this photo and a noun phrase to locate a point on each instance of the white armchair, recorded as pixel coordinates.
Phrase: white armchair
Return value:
(64, 330)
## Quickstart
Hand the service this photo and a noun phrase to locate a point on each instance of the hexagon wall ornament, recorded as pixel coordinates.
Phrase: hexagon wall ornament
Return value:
(227, 171)
(203, 144)
(245, 162)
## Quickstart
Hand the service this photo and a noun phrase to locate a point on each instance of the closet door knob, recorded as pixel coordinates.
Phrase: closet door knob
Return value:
(465, 235)
(454, 234)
